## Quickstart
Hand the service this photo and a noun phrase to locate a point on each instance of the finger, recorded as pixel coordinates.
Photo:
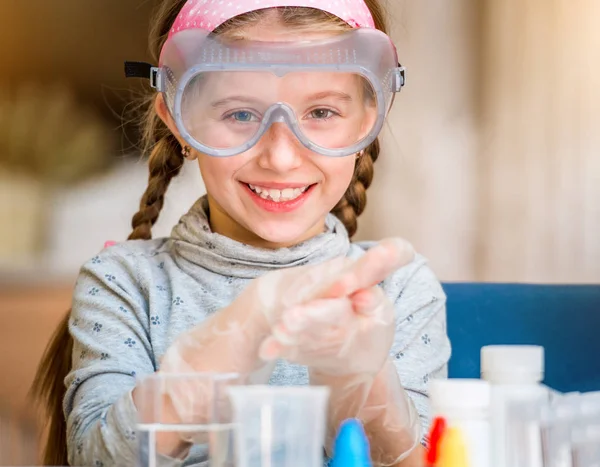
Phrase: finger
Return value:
(316, 318)
(372, 268)
(270, 349)
(312, 351)
(308, 351)
(307, 286)
(367, 301)
(285, 288)
(333, 311)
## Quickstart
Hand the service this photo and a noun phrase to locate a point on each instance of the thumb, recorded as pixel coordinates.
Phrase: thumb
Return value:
(270, 349)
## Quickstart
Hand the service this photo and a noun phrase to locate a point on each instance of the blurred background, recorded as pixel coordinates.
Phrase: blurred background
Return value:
(491, 160)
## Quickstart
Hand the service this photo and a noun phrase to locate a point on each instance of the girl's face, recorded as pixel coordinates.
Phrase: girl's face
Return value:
(278, 193)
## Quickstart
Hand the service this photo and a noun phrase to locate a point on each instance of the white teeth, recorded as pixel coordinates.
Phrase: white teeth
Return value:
(287, 194)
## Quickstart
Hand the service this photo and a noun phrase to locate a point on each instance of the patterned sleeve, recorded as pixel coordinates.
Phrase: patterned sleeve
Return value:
(109, 325)
(421, 348)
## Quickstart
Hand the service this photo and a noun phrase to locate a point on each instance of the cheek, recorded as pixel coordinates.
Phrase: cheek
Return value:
(338, 173)
(218, 172)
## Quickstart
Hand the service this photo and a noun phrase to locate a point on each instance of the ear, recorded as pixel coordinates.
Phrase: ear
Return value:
(161, 110)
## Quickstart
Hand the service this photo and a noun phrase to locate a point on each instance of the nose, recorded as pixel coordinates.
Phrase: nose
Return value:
(280, 150)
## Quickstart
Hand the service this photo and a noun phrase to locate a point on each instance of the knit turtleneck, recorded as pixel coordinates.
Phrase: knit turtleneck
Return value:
(197, 245)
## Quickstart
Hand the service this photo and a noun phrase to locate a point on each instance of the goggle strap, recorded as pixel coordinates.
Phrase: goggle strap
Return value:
(399, 80)
(143, 70)
(148, 71)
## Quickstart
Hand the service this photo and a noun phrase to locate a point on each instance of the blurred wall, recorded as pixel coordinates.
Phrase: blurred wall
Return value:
(425, 185)
(492, 159)
(80, 43)
(539, 152)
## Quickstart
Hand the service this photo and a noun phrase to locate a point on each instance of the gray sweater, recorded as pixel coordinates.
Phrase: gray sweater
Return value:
(133, 299)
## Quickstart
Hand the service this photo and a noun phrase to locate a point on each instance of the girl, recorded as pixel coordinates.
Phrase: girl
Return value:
(280, 102)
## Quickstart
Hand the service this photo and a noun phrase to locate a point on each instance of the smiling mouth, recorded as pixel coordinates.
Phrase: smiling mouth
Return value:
(278, 196)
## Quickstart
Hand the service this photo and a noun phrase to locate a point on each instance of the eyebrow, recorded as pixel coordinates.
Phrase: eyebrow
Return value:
(227, 100)
(313, 97)
(338, 94)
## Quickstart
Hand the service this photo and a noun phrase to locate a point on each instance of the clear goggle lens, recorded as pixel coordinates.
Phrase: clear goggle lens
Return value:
(230, 109)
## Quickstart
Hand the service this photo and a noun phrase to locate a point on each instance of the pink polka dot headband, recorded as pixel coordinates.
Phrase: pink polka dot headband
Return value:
(209, 14)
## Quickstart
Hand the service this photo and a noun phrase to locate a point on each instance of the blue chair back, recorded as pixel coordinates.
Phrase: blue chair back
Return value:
(564, 319)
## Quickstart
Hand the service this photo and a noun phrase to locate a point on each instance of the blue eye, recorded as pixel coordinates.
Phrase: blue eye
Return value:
(242, 116)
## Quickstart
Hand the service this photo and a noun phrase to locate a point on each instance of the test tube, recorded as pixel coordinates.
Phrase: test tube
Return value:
(279, 426)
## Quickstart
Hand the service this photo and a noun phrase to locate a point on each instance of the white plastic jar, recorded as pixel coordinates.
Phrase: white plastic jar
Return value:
(465, 404)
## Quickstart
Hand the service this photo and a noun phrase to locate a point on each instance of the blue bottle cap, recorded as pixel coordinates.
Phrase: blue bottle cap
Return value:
(351, 446)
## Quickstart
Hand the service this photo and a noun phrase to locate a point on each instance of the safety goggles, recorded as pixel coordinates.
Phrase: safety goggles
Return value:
(332, 93)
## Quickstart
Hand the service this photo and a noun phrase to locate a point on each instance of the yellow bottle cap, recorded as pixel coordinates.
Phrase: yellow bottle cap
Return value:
(453, 449)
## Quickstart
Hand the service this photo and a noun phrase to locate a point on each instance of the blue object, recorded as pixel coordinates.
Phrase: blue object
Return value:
(351, 447)
(564, 319)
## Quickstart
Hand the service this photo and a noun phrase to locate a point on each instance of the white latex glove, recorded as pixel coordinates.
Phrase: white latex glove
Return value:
(229, 340)
(340, 336)
(345, 342)
(390, 417)
(351, 328)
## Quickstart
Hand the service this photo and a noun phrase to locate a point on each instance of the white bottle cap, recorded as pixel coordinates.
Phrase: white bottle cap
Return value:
(456, 395)
(512, 363)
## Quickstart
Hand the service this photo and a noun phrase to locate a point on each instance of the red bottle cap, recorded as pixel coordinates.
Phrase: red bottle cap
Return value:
(435, 434)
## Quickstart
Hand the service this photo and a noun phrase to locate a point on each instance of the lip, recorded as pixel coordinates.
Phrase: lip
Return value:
(278, 185)
(281, 206)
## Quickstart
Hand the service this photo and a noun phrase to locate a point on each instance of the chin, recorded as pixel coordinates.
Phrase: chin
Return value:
(284, 234)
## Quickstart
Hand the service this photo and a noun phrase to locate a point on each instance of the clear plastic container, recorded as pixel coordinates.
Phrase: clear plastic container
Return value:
(585, 443)
(586, 454)
(186, 408)
(279, 426)
(465, 405)
(567, 427)
(556, 427)
(515, 373)
(523, 433)
(585, 433)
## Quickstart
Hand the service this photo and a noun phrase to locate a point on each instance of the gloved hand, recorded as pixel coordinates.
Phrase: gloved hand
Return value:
(351, 327)
(345, 342)
(336, 336)
(229, 341)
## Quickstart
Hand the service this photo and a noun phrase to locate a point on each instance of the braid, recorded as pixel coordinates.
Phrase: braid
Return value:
(165, 163)
(354, 201)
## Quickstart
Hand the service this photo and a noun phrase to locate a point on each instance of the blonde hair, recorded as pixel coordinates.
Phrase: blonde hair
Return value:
(165, 158)
(165, 162)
